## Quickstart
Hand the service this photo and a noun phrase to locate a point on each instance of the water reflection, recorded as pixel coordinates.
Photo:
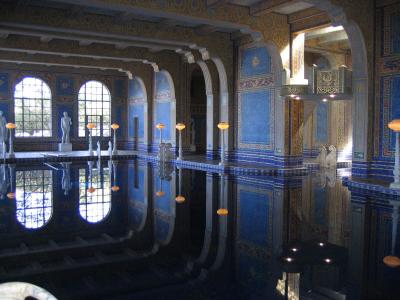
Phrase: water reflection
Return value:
(94, 193)
(304, 237)
(34, 198)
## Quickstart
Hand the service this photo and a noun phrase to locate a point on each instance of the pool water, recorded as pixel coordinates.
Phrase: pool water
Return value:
(136, 230)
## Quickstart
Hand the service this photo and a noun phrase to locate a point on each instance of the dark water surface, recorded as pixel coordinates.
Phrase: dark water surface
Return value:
(132, 230)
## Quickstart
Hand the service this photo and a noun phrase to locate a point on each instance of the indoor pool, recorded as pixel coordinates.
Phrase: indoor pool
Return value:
(136, 230)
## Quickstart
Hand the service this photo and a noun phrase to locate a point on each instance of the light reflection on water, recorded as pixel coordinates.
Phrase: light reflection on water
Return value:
(280, 237)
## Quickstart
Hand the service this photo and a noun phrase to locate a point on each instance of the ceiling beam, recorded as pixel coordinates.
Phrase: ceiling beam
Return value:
(75, 12)
(266, 7)
(205, 29)
(216, 3)
(123, 17)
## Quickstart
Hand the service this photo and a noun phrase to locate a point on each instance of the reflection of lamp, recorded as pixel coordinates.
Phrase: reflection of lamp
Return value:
(392, 260)
(90, 126)
(222, 212)
(180, 127)
(115, 187)
(91, 189)
(10, 127)
(223, 126)
(180, 198)
(160, 126)
(160, 193)
(115, 127)
(395, 126)
(11, 194)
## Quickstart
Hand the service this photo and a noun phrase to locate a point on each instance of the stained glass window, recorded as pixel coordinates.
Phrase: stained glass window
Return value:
(34, 197)
(32, 97)
(94, 107)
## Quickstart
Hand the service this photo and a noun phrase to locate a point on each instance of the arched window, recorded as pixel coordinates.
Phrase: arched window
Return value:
(94, 107)
(32, 97)
(94, 194)
(34, 197)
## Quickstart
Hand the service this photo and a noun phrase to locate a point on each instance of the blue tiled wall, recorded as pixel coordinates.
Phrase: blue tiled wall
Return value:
(255, 117)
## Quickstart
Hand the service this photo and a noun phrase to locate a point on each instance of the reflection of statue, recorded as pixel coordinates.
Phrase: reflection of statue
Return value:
(98, 150)
(110, 149)
(65, 127)
(192, 135)
(321, 159)
(66, 178)
(3, 129)
(3, 181)
(331, 158)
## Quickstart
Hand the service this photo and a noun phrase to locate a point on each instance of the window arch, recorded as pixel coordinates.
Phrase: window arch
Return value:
(94, 107)
(32, 98)
(34, 198)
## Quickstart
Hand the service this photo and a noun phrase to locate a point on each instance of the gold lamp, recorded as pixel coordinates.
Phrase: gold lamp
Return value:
(91, 126)
(10, 127)
(115, 188)
(395, 126)
(223, 125)
(160, 193)
(11, 195)
(91, 190)
(180, 127)
(391, 261)
(222, 212)
(180, 199)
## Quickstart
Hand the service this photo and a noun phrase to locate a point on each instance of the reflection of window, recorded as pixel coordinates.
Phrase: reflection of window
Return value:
(32, 98)
(34, 197)
(94, 107)
(94, 206)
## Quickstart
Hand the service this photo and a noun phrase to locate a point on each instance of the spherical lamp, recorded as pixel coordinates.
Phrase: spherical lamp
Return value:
(91, 190)
(11, 195)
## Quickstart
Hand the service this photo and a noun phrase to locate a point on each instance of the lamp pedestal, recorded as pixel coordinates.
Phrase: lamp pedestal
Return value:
(90, 151)
(11, 153)
(396, 170)
(222, 162)
(180, 152)
(115, 151)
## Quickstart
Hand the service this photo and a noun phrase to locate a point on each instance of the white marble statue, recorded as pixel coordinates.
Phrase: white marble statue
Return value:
(3, 129)
(331, 158)
(65, 127)
(321, 159)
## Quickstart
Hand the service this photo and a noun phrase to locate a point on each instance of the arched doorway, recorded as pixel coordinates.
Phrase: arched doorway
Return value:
(198, 113)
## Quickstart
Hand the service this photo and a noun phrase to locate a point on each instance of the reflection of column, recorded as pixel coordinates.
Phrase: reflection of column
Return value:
(358, 241)
(211, 190)
(222, 223)
(395, 222)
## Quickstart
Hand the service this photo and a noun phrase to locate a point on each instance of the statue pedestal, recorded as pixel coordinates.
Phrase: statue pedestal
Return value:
(66, 147)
